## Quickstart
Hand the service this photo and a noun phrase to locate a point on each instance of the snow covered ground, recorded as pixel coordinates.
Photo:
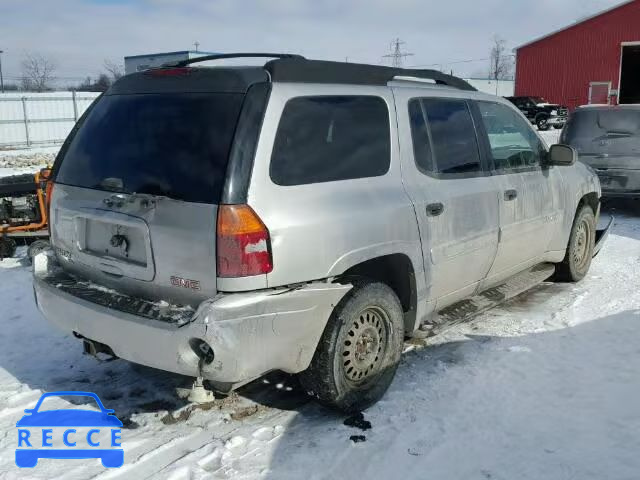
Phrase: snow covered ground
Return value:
(26, 160)
(543, 387)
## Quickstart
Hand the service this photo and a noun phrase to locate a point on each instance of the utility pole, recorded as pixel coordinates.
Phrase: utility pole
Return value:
(197, 44)
(397, 55)
(1, 79)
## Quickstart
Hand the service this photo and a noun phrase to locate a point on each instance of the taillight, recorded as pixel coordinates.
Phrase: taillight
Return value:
(243, 243)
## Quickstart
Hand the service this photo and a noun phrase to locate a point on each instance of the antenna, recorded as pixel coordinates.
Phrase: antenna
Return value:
(397, 55)
(196, 44)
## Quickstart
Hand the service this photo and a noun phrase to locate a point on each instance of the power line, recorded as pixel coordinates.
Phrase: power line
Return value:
(455, 62)
(397, 56)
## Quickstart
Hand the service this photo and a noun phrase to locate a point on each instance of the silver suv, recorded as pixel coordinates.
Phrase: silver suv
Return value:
(303, 216)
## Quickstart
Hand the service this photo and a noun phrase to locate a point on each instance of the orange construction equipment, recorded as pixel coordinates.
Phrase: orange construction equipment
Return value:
(24, 215)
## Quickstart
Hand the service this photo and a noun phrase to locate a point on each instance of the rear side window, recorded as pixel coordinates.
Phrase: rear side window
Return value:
(453, 137)
(596, 131)
(174, 144)
(329, 138)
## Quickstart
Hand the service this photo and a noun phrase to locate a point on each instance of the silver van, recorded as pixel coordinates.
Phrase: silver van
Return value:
(607, 139)
(303, 216)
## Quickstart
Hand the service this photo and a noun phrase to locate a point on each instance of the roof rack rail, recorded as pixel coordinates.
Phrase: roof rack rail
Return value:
(221, 56)
(300, 70)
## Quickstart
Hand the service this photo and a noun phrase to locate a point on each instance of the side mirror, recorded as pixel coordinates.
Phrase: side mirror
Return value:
(561, 155)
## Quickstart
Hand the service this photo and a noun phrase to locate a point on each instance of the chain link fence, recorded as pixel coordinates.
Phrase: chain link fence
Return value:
(36, 119)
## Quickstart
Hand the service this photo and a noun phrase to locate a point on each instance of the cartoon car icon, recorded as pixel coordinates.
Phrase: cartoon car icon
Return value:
(103, 419)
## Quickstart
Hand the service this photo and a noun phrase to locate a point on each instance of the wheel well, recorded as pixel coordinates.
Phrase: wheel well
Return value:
(590, 199)
(397, 272)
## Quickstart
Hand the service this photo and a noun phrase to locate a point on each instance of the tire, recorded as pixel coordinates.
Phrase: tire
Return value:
(579, 254)
(7, 247)
(558, 127)
(542, 122)
(359, 351)
(36, 247)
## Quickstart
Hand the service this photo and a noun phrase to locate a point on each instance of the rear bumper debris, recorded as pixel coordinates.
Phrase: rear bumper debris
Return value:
(249, 333)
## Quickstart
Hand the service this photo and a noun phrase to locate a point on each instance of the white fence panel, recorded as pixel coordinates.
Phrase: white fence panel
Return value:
(28, 119)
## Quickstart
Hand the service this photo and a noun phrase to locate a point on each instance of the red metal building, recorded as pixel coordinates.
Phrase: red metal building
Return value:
(596, 60)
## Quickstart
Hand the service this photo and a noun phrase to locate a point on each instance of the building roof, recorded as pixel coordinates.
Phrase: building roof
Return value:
(162, 54)
(578, 22)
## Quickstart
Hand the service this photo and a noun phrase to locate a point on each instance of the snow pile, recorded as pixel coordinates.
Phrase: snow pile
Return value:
(26, 160)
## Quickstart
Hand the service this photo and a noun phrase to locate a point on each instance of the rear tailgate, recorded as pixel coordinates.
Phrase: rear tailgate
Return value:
(136, 191)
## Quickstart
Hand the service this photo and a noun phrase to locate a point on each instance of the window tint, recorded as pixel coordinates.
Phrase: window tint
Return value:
(175, 145)
(455, 146)
(329, 138)
(420, 136)
(513, 142)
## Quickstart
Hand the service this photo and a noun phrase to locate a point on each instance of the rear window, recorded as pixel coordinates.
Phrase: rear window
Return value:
(329, 138)
(174, 144)
(613, 131)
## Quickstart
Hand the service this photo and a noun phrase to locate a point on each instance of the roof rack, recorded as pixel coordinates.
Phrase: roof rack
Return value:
(320, 71)
(288, 67)
(222, 56)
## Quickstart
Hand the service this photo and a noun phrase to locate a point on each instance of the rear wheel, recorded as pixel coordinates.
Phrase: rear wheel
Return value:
(579, 254)
(37, 247)
(359, 351)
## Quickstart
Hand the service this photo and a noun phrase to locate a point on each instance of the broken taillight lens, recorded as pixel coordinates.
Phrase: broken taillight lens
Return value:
(242, 242)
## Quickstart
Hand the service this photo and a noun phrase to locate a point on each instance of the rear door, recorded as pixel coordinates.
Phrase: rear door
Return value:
(136, 192)
(454, 197)
(527, 193)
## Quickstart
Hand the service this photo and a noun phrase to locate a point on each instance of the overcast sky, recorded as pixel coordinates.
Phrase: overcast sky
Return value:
(80, 34)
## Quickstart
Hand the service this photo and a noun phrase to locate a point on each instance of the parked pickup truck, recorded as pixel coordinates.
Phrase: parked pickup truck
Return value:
(303, 216)
(541, 113)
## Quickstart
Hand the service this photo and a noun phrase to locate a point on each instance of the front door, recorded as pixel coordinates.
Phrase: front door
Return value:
(454, 197)
(527, 203)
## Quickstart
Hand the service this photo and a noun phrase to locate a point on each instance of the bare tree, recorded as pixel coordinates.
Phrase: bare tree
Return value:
(114, 69)
(37, 72)
(501, 62)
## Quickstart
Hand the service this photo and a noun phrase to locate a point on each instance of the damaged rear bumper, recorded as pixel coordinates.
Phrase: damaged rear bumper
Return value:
(250, 333)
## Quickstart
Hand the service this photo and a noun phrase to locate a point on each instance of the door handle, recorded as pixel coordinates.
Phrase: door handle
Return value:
(510, 195)
(435, 209)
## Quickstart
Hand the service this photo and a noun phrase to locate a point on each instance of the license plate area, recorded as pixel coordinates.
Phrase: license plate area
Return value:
(613, 180)
(112, 240)
(115, 243)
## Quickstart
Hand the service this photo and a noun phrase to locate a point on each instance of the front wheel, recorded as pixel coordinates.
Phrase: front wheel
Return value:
(542, 122)
(360, 349)
(579, 254)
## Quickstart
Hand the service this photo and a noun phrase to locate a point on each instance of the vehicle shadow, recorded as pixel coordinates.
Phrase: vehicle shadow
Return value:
(558, 404)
